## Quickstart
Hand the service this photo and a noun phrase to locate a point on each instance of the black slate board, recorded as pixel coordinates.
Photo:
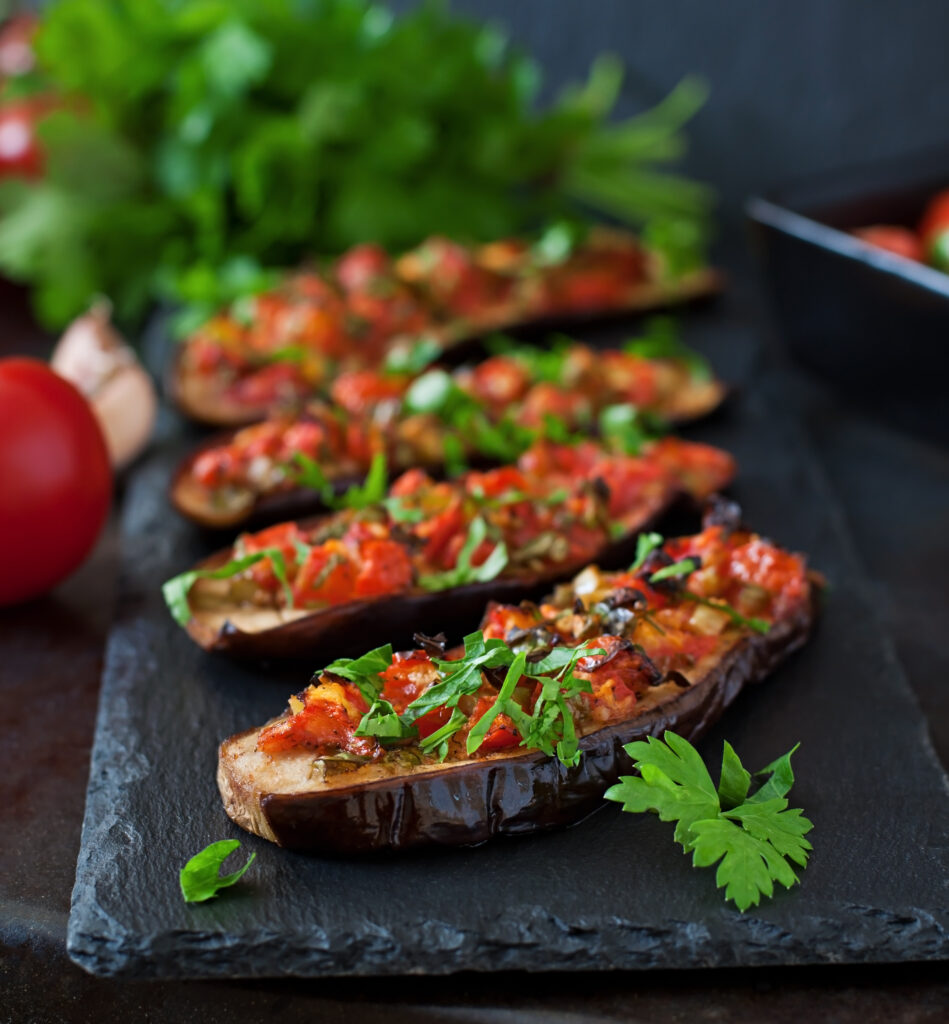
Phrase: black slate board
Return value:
(612, 892)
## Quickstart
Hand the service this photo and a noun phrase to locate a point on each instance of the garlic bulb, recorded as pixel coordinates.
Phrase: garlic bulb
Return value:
(94, 356)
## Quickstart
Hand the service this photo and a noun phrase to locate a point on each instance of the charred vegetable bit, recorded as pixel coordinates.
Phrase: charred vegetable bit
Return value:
(541, 677)
(558, 506)
(442, 419)
(753, 839)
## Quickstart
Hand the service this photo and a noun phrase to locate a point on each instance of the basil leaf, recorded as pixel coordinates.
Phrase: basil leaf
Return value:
(464, 571)
(175, 591)
(201, 877)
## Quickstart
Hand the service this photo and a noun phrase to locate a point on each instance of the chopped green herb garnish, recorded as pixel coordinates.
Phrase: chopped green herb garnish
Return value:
(753, 839)
(414, 357)
(464, 571)
(176, 590)
(662, 341)
(646, 543)
(370, 492)
(684, 568)
(201, 877)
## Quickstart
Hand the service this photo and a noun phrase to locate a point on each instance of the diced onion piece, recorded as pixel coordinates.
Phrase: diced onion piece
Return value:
(708, 621)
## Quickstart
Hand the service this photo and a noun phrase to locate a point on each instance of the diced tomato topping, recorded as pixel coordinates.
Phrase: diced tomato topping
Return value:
(271, 384)
(385, 568)
(328, 720)
(359, 266)
(327, 575)
(496, 482)
(501, 619)
(546, 399)
(701, 468)
(499, 380)
(360, 390)
(410, 482)
(284, 537)
(502, 733)
(439, 531)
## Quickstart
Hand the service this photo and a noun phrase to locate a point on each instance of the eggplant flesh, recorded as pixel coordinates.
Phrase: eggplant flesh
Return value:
(201, 398)
(250, 631)
(379, 807)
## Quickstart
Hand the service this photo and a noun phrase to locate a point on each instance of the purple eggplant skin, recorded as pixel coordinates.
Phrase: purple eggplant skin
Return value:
(354, 627)
(503, 794)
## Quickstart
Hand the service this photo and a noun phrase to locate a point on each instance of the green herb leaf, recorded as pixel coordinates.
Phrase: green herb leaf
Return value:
(685, 567)
(413, 357)
(646, 543)
(758, 625)
(464, 571)
(176, 590)
(364, 671)
(662, 341)
(437, 742)
(370, 492)
(383, 722)
(751, 839)
(201, 877)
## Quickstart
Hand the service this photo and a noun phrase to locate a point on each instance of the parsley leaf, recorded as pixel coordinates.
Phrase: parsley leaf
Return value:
(364, 671)
(413, 357)
(752, 839)
(176, 590)
(437, 742)
(646, 543)
(464, 571)
(370, 492)
(662, 341)
(684, 568)
(201, 877)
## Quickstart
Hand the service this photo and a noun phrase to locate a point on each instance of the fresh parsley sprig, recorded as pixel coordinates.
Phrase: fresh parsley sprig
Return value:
(201, 877)
(176, 590)
(754, 838)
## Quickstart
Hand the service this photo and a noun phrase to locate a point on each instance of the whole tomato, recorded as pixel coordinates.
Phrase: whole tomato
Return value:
(55, 480)
(20, 152)
(934, 230)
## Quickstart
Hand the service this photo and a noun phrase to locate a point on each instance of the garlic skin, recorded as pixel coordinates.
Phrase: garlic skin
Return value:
(94, 356)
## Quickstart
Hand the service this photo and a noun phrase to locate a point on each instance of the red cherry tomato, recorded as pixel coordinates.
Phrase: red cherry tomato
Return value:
(900, 241)
(55, 479)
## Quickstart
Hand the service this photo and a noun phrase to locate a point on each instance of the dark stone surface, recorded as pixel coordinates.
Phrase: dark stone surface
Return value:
(613, 892)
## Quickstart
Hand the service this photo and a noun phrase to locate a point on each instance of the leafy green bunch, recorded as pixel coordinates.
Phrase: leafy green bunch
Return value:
(197, 143)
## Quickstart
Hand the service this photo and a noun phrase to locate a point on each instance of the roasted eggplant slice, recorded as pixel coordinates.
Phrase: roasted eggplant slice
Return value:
(430, 548)
(291, 343)
(505, 737)
(487, 414)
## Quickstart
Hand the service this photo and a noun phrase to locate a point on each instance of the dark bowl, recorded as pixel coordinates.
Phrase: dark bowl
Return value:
(873, 324)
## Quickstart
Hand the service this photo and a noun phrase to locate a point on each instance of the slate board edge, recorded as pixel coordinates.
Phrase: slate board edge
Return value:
(102, 946)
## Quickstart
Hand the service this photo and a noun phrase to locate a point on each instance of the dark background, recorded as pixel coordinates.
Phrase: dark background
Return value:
(796, 88)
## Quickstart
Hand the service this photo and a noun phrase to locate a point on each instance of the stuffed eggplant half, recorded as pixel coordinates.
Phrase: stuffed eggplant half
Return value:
(488, 413)
(344, 579)
(523, 728)
(291, 342)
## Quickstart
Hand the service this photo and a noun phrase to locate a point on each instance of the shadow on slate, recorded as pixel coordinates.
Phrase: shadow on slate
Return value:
(612, 892)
